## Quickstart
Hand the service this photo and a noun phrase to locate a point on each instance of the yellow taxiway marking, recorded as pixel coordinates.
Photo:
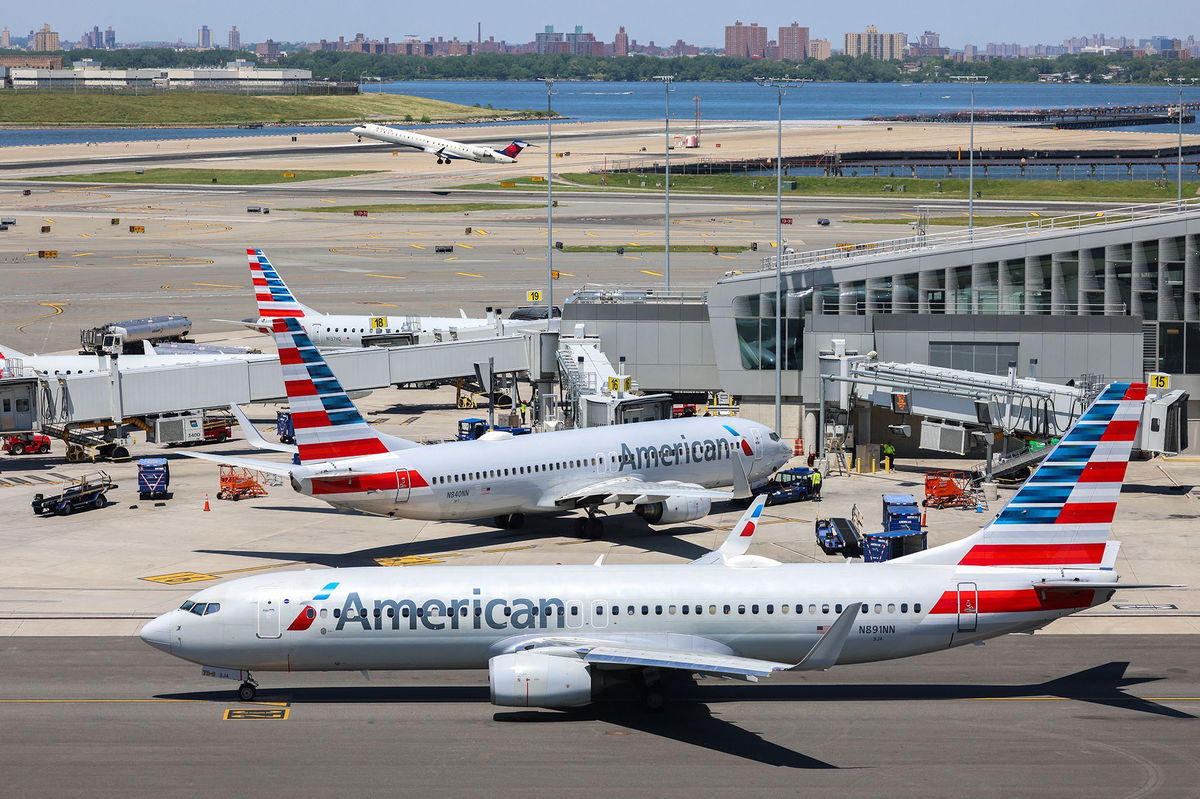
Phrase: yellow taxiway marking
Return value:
(453, 258)
(331, 202)
(513, 549)
(481, 232)
(193, 577)
(418, 246)
(592, 235)
(390, 277)
(649, 272)
(468, 274)
(911, 216)
(85, 235)
(1034, 213)
(528, 258)
(852, 216)
(566, 274)
(412, 560)
(48, 221)
(467, 246)
(57, 306)
(219, 285)
(632, 257)
(256, 714)
(81, 254)
(649, 233)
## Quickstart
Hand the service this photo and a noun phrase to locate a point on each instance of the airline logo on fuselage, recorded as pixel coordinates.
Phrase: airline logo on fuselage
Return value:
(475, 613)
(676, 454)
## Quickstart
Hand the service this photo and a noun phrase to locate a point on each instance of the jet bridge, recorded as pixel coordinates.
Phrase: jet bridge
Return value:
(129, 394)
(960, 410)
(596, 392)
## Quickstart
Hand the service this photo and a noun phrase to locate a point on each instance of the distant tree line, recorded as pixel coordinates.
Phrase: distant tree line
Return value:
(491, 66)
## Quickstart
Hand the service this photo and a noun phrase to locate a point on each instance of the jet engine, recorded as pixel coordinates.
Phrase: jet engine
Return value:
(527, 679)
(675, 509)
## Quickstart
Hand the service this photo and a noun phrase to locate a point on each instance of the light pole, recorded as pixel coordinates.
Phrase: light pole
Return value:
(1181, 82)
(549, 202)
(971, 80)
(666, 82)
(780, 86)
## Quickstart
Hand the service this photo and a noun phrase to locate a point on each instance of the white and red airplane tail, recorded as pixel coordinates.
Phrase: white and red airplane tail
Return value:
(1062, 515)
(514, 149)
(274, 297)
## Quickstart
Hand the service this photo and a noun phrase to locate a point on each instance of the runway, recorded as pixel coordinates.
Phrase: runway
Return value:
(1111, 716)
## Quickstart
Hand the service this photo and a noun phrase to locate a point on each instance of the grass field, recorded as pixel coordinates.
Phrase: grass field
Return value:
(416, 208)
(634, 249)
(960, 220)
(233, 177)
(956, 188)
(208, 108)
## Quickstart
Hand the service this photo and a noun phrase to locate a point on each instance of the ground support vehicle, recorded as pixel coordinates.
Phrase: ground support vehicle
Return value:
(86, 492)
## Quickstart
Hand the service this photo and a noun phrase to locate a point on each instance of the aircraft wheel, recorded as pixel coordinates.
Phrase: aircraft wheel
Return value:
(581, 528)
(503, 521)
(516, 521)
(593, 527)
(247, 691)
(654, 700)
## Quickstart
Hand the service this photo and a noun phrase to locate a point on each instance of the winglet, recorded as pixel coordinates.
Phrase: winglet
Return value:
(739, 538)
(741, 485)
(828, 648)
(255, 438)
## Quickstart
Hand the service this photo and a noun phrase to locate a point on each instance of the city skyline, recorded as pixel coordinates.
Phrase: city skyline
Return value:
(304, 21)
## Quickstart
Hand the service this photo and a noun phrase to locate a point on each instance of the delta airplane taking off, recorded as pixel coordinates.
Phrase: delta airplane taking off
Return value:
(551, 635)
(668, 470)
(444, 149)
(339, 330)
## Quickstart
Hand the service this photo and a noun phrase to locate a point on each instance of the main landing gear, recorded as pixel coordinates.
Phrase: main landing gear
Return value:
(510, 521)
(248, 690)
(654, 698)
(591, 527)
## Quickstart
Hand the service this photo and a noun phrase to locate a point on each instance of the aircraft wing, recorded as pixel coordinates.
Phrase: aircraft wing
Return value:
(823, 654)
(632, 490)
(270, 467)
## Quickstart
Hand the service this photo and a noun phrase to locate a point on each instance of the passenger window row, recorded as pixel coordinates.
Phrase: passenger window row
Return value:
(516, 471)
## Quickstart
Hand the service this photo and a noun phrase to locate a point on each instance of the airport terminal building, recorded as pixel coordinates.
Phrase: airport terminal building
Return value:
(1115, 295)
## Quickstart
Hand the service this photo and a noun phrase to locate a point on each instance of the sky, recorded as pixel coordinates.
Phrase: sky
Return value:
(696, 21)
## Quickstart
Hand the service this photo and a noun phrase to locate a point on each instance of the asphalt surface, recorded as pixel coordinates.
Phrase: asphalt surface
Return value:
(1087, 716)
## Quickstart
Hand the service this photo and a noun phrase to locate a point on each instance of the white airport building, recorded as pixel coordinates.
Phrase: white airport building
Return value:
(90, 74)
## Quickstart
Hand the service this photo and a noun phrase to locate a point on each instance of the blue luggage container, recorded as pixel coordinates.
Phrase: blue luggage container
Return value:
(153, 477)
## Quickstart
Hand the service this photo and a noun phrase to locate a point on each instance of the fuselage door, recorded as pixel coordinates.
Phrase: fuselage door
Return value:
(968, 607)
(268, 617)
(599, 615)
(316, 333)
(574, 613)
(757, 440)
(402, 485)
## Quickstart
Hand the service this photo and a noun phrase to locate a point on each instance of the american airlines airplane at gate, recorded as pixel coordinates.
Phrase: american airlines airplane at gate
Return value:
(669, 471)
(551, 635)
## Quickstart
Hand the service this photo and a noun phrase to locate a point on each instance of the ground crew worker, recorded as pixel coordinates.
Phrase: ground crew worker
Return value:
(524, 410)
(816, 485)
(889, 455)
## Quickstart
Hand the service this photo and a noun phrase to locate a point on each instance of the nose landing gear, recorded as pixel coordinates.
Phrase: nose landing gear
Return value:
(248, 690)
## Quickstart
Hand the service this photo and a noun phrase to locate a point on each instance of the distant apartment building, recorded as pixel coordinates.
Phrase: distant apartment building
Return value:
(745, 41)
(204, 38)
(267, 51)
(1003, 50)
(5, 39)
(110, 38)
(880, 46)
(929, 45)
(820, 49)
(550, 43)
(583, 43)
(31, 61)
(793, 42)
(93, 39)
(682, 49)
(45, 40)
(235, 38)
(621, 43)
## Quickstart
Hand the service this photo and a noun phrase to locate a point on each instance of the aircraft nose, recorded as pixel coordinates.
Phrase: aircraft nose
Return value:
(157, 632)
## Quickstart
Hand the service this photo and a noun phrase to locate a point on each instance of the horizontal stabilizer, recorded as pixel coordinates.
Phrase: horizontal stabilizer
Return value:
(255, 438)
(1076, 585)
(270, 467)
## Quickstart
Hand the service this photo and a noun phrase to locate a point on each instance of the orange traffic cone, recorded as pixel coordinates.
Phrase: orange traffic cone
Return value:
(206, 503)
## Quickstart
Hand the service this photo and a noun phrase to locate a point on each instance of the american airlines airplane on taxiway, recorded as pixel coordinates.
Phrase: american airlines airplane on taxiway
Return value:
(550, 635)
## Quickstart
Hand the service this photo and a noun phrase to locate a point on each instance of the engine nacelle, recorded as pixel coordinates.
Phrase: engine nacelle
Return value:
(675, 509)
(527, 679)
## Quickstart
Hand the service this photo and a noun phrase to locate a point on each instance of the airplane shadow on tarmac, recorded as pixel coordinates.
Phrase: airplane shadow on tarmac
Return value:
(643, 538)
(691, 719)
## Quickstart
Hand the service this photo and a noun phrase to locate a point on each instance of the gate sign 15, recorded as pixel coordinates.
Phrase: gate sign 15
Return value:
(1159, 381)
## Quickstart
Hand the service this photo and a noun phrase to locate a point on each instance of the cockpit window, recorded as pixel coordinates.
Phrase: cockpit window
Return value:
(187, 605)
(212, 608)
(774, 436)
(198, 608)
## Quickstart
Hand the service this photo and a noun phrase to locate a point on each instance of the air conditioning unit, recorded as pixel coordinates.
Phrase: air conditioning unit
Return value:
(943, 437)
(179, 429)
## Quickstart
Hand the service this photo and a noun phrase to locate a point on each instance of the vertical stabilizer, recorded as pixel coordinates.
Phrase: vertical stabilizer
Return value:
(274, 298)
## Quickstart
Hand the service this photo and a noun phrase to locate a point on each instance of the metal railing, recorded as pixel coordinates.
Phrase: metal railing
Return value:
(988, 308)
(991, 233)
(597, 293)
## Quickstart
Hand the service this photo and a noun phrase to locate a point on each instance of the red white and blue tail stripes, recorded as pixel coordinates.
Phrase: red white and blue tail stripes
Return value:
(327, 424)
(1063, 514)
(275, 299)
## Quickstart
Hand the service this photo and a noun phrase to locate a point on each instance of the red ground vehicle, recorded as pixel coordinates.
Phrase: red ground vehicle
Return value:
(27, 444)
